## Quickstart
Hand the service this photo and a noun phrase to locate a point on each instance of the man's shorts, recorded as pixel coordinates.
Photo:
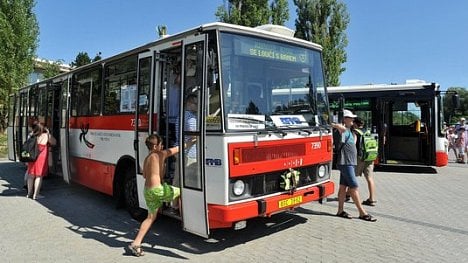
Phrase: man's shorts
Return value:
(155, 197)
(347, 176)
(365, 167)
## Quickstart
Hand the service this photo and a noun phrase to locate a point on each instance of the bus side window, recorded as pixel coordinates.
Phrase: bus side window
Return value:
(119, 75)
(86, 92)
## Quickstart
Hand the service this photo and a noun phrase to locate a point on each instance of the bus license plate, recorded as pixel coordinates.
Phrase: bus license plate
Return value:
(290, 201)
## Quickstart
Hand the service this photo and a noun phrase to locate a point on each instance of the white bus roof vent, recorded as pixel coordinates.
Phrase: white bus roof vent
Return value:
(415, 81)
(282, 30)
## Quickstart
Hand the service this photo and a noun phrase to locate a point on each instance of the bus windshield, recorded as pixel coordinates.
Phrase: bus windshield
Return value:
(271, 85)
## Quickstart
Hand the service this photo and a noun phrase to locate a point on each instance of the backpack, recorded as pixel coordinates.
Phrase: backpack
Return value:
(29, 150)
(368, 146)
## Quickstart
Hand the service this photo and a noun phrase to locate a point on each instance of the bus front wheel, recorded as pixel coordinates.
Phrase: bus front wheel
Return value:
(131, 196)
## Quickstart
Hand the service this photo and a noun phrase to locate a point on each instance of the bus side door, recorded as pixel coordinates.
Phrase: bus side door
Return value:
(64, 124)
(192, 123)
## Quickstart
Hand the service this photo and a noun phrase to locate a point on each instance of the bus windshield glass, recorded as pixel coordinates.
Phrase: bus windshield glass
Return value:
(271, 85)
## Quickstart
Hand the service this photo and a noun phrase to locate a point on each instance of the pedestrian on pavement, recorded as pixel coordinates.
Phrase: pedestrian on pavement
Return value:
(366, 167)
(347, 160)
(156, 192)
(30, 133)
(40, 167)
(451, 137)
(461, 144)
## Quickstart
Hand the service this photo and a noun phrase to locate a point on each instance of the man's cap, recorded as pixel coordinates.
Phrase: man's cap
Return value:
(349, 114)
(462, 119)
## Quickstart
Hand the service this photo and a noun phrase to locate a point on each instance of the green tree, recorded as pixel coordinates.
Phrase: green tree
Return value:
(244, 12)
(18, 42)
(324, 22)
(83, 59)
(52, 69)
(452, 114)
(279, 12)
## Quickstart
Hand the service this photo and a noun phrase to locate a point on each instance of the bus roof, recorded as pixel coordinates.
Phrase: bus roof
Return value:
(225, 27)
(384, 87)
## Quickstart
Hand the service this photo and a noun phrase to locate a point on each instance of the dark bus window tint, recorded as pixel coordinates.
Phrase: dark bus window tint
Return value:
(33, 101)
(42, 101)
(86, 93)
(120, 86)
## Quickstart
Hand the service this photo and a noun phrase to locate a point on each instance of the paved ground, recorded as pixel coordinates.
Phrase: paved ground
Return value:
(422, 217)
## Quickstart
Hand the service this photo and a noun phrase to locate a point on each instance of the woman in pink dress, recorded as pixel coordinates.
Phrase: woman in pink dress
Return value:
(40, 167)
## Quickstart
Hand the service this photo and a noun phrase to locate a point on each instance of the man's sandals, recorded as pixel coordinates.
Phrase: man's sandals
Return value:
(368, 217)
(369, 202)
(365, 217)
(135, 250)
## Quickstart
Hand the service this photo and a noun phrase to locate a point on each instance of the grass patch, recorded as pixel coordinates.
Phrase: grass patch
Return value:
(3, 145)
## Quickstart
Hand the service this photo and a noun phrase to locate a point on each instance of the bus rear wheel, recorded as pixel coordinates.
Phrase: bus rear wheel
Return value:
(131, 196)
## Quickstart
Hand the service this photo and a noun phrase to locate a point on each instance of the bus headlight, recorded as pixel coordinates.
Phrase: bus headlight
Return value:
(322, 171)
(238, 188)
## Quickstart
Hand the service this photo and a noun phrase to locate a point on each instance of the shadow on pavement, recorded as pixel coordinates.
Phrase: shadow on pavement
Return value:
(406, 169)
(94, 216)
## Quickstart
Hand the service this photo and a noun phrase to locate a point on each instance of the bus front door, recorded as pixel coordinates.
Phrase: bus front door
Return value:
(191, 139)
(143, 122)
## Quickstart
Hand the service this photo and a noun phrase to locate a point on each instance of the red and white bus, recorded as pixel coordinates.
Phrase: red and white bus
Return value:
(407, 118)
(247, 140)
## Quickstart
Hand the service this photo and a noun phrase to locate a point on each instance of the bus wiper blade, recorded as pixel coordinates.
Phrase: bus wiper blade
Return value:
(275, 130)
(247, 119)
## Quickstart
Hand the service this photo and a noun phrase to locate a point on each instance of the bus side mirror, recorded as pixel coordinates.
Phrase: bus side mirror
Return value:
(455, 101)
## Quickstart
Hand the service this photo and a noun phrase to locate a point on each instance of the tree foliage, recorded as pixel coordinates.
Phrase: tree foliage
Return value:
(452, 114)
(83, 59)
(324, 22)
(18, 42)
(279, 12)
(52, 69)
(253, 12)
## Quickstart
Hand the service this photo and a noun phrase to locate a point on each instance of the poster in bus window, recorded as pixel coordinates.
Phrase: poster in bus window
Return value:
(127, 98)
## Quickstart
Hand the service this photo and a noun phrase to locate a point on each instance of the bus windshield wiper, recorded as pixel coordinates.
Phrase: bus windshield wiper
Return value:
(247, 119)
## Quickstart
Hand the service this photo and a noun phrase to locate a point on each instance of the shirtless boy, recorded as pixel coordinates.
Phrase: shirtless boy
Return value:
(156, 191)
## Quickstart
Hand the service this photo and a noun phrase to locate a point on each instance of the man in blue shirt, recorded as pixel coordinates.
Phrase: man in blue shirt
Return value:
(346, 163)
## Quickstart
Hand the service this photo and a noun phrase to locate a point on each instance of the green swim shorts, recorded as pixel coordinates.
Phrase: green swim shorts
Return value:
(155, 197)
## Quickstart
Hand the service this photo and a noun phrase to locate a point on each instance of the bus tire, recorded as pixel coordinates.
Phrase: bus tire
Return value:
(131, 196)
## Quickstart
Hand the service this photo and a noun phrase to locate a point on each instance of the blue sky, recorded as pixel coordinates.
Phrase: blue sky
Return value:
(389, 41)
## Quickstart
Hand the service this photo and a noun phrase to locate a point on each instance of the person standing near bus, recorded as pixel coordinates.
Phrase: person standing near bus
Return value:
(39, 168)
(366, 167)
(461, 143)
(156, 192)
(347, 160)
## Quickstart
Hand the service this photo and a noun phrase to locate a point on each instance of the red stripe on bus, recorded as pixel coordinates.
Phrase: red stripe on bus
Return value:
(248, 158)
(114, 122)
(93, 174)
(221, 216)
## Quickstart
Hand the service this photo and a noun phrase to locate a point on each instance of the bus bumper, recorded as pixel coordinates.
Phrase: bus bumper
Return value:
(223, 216)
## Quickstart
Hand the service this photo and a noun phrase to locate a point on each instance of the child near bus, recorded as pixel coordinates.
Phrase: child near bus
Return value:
(461, 144)
(451, 137)
(156, 192)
